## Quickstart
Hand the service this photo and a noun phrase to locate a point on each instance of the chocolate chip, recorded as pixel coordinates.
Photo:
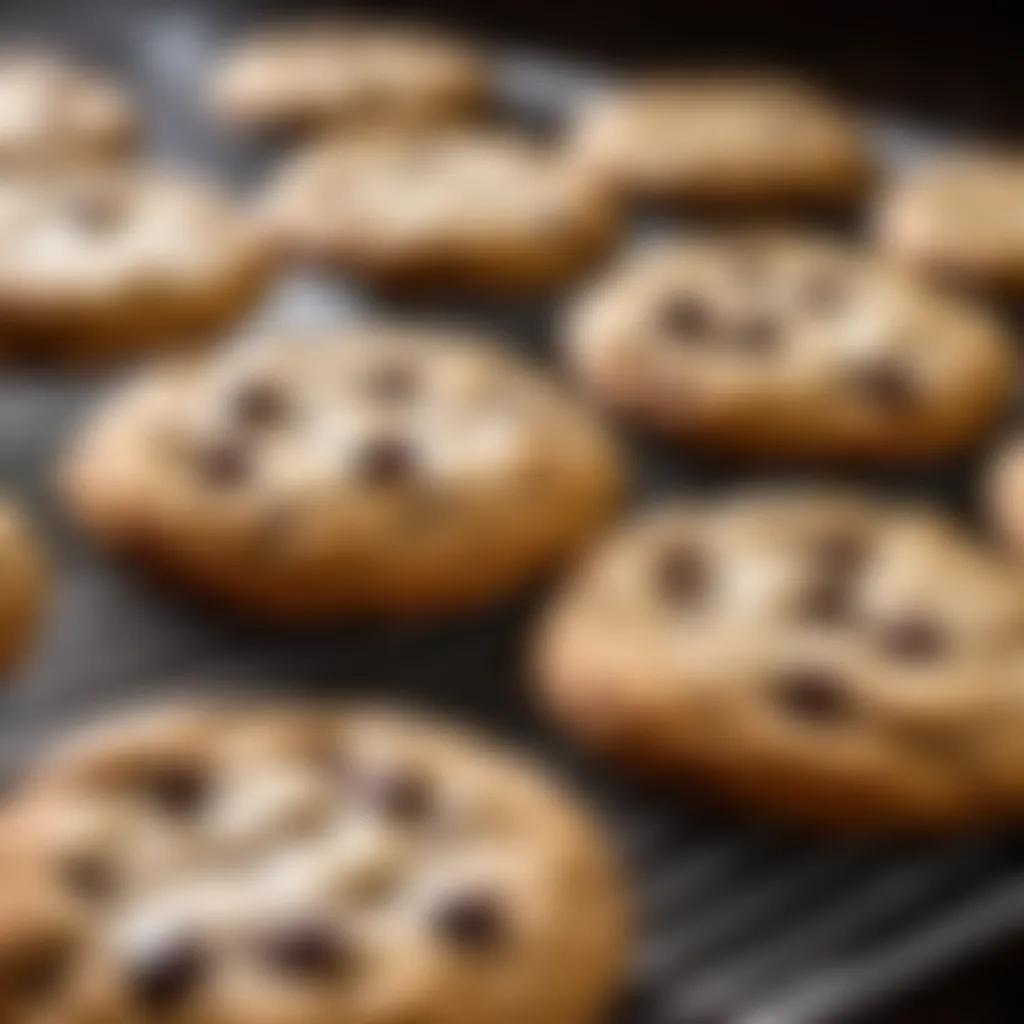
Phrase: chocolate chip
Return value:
(259, 404)
(829, 601)
(224, 464)
(887, 385)
(392, 382)
(836, 557)
(756, 335)
(88, 876)
(305, 949)
(682, 574)
(913, 639)
(839, 553)
(472, 920)
(402, 795)
(164, 975)
(686, 318)
(813, 694)
(95, 212)
(177, 790)
(386, 460)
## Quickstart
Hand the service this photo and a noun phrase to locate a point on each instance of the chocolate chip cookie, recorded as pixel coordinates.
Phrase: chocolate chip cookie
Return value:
(785, 346)
(282, 866)
(97, 265)
(346, 77)
(820, 657)
(54, 111)
(23, 586)
(368, 470)
(725, 142)
(961, 221)
(495, 212)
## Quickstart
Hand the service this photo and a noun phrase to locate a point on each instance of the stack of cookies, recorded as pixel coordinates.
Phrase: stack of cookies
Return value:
(818, 656)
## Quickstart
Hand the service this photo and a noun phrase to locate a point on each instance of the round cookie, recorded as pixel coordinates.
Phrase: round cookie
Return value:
(281, 866)
(53, 112)
(23, 586)
(822, 658)
(789, 347)
(494, 211)
(961, 221)
(103, 264)
(348, 77)
(369, 470)
(724, 142)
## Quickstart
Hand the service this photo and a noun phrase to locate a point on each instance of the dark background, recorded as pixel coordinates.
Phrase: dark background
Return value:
(954, 61)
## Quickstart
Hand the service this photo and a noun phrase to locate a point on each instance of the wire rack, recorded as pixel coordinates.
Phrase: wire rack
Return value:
(740, 923)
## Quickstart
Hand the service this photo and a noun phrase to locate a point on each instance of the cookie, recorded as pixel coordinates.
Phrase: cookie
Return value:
(102, 264)
(282, 866)
(1003, 494)
(495, 211)
(723, 142)
(819, 657)
(783, 346)
(54, 111)
(371, 470)
(347, 77)
(23, 586)
(960, 221)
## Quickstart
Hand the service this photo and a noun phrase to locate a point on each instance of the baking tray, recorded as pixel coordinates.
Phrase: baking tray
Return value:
(741, 922)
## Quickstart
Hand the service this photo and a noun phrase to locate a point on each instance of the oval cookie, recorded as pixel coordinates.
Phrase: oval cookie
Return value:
(816, 657)
(101, 265)
(346, 77)
(366, 470)
(789, 347)
(496, 212)
(281, 866)
(961, 221)
(725, 142)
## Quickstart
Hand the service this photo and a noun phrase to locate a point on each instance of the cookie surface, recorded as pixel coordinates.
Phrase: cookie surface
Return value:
(367, 470)
(456, 210)
(818, 657)
(960, 220)
(23, 586)
(230, 866)
(345, 77)
(789, 347)
(1003, 496)
(724, 141)
(98, 265)
(53, 111)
